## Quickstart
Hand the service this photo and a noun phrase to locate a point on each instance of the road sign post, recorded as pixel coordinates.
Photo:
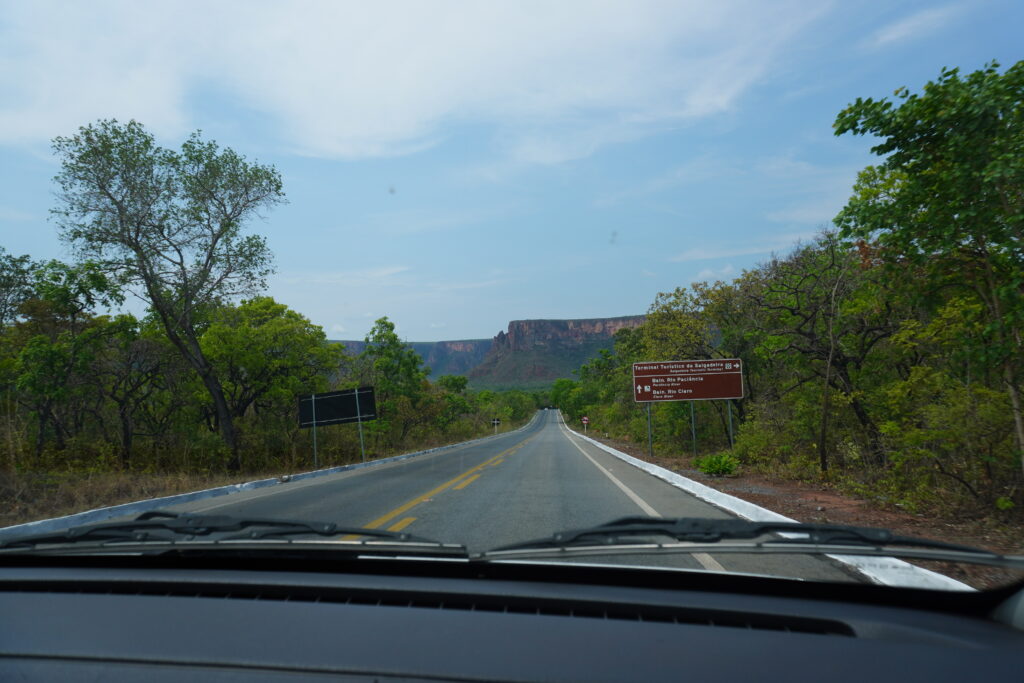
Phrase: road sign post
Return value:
(586, 421)
(495, 422)
(728, 407)
(337, 407)
(650, 433)
(316, 459)
(693, 427)
(688, 380)
(359, 421)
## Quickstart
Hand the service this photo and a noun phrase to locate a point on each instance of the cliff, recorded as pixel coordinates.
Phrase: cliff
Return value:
(452, 357)
(531, 353)
(535, 352)
(444, 357)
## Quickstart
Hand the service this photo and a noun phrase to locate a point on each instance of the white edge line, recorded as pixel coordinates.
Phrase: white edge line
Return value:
(45, 526)
(704, 559)
(887, 571)
(640, 502)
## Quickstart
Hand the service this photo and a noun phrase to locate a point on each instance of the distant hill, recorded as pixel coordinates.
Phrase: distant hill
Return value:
(442, 357)
(537, 352)
(530, 355)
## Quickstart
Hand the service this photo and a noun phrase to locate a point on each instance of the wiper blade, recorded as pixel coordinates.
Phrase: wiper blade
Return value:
(701, 530)
(162, 525)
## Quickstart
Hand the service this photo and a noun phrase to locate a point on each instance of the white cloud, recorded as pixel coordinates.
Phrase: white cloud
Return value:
(814, 193)
(698, 169)
(775, 243)
(340, 329)
(428, 220)
(349, 80)
(815, 211)
(14, 215)
(912, 27)
(713, 274)
(360, 277)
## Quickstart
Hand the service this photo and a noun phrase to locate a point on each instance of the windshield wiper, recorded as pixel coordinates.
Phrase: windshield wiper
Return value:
(632, 534)
(163, 526)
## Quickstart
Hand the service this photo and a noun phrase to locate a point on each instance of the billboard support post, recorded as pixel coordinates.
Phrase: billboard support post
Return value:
(338, 407)
(316, 460)
(693, 428)
(728, 407)
(650, 434)
(359, 416)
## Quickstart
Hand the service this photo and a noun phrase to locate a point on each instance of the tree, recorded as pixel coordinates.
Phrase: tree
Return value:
(454, 403)
(948, 198)
(168, 224)
(265, 353)
(813, 318)
(15, 285)
(398, 376)
(53, 364)
(130, 368)
(675, 328)
(678, 328)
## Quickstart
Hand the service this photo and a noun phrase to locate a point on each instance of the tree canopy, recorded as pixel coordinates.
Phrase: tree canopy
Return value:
(948, 197)
(168, 224)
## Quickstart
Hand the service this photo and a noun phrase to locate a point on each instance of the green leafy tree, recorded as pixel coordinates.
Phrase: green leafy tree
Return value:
(130, 367)
(15, 285)
(169, 225)
(562, 395)
(947, 199)
(400, 381)
(53, 368)
(266, 354)
(680, 326)
(675, 328)
(815, 321)
(455, 403)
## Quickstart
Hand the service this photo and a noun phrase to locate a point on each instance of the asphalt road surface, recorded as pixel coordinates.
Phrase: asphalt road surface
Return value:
(515, 487)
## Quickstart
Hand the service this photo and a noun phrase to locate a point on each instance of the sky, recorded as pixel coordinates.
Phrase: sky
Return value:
(457, 165)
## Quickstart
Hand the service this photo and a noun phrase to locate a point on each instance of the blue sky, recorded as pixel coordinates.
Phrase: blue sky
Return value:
(456, 165)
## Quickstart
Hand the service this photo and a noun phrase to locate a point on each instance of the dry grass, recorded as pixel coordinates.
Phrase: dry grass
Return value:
(28, 497)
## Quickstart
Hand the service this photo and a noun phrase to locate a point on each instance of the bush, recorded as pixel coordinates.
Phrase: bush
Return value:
(717, 464)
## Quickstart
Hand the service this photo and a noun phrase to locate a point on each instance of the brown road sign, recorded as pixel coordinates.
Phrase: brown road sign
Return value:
(688, 380)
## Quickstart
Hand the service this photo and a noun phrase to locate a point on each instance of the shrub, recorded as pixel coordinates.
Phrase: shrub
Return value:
(717, 464)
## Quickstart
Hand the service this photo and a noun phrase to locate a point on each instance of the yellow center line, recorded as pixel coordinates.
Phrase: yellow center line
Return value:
(381, 521)
(466, 482)
(497, 462)
(401, 525)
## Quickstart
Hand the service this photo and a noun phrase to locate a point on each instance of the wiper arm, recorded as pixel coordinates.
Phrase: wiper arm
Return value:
(162, 525)
(700, 530)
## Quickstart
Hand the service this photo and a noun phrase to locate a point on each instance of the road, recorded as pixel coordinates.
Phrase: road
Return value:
(514, 487)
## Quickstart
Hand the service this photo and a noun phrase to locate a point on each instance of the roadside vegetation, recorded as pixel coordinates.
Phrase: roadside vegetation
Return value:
(98, 408)
(885, 356)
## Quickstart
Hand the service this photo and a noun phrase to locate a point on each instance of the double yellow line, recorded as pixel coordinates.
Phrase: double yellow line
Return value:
(461, 481)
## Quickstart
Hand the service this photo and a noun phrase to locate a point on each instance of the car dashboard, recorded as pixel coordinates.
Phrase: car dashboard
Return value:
(258, 619)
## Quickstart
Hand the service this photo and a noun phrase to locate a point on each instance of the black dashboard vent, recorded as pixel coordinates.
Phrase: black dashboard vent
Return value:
(567, 608)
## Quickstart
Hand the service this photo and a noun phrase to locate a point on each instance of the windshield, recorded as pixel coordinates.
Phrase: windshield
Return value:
(519, 279)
